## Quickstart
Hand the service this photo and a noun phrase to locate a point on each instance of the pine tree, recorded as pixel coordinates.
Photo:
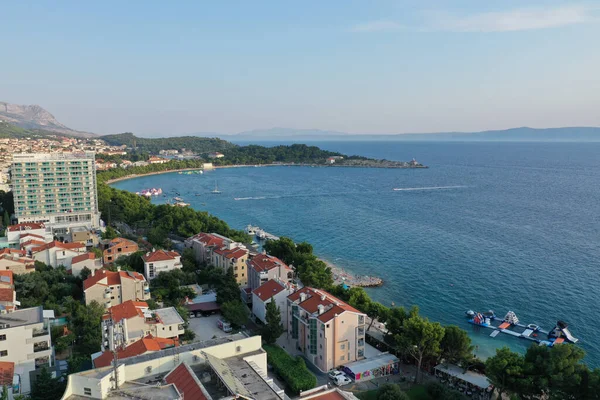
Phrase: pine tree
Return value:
(6, 219)
(273, 329)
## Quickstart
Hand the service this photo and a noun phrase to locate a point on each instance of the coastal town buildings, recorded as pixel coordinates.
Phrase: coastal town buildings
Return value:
(232, 256)
(148, 344)
(117, 248)
(236, 366)
(159, 261)
(85, 260)
(16, 261)
(17, 234)
(328, 331)
(8, 295)
(272, 290)
(58, 189)
(263, 267)
(57, 253)
(113, 288)
(131, 321)
(203, 244)
(25, 341)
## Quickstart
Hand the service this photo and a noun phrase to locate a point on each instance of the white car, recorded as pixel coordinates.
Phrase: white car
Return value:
(342, 380)
(334, 373)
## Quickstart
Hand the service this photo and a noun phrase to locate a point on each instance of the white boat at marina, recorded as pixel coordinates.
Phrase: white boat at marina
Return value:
(216, 191)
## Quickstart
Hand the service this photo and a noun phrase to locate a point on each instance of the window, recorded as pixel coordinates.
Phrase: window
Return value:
(3, 353)
(343, 347)
(87, 391)
(342, 358)
(2, 337)
(170, 328)
(320, 346)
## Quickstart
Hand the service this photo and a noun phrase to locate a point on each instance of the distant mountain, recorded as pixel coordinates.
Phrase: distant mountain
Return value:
(569, 134)
(34, 117)
(154, 145)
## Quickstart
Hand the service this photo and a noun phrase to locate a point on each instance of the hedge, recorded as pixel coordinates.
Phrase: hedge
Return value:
(292, 370)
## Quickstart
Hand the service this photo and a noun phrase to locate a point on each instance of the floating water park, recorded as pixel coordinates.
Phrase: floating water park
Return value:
(150, 192)
(510, 325)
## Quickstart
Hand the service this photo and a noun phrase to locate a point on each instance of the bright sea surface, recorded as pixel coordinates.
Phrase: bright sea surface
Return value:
(502, 226)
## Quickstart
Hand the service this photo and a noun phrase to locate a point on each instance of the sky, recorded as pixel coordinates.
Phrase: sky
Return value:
(376, 66)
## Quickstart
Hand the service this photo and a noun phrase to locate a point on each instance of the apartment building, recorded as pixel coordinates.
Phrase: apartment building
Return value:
(232, 256)
(16, 261)
(159, 261)
(18, 234)
(58, 189)
(148, 344)
(328, 331)
(56, 253)
(204, 243)
(131, 321)
(272, 290)
(8, 295)
(263, 268)
(25, 340)
(113, 288)
(85, 260)
(118, 247)
(87, 237)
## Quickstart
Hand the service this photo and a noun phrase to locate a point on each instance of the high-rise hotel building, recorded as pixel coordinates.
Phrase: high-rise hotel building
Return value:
(58, 189)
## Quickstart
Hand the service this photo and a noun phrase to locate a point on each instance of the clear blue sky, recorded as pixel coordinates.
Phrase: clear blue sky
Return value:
(376, 66)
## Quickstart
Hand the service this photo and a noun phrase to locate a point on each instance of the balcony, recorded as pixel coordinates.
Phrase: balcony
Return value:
(41, 346)
(361, 331)
(42, 362)
(39, 332)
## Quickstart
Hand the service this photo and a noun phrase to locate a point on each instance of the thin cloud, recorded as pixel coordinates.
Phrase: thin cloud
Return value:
(522, 19)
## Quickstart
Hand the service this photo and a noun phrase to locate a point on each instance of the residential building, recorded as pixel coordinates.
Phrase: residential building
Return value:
(272, 290)
(56, 253)
(263, 267)
(157, 160)
(118, 247)
(58, 189)
(8, 295)
(204, 243)
(20, 233)
(236, 365)
(8, 378)
(148, 344)
(160, 261)
(328, 331)
(85, 260)
(25, 341)
(326, 392)
(113, 288)
(87, 237)
(232, 256)
(132, 320)
(16, 261)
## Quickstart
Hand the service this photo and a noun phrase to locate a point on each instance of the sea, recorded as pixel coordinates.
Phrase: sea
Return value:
(488, 226)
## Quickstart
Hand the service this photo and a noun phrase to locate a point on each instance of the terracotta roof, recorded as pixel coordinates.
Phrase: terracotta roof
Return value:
(21, 236)
(263, 262)
(13, 251)
(208, 239)
(7, 294)
(8, 274)
(186, 382)
(142, 346)
(111, 278)
(160, 255)
(25, 226)
(268, 290)
(119, 240)
(236, 252)
(320, 297)
(329, 395)
(7, 372)
(60, 245)
(82, 257)
(37, 243)
(126, 310)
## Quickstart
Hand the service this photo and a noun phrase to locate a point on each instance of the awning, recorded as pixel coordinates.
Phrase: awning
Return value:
(206, 307)
(471, 377)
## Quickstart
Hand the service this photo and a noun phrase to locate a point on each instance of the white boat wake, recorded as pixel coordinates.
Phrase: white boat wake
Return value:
(428, 188)
(249, 198)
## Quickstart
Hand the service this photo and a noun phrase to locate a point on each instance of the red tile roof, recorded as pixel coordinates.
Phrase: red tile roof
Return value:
(112, 278)
(60, 245)
(268, 290)
(208, 239)
(82, 257)
(13, 251)
(7, 294)
(25, 226)
(186, 382)
(9, 274)
(236, 252)
(160, 255)
(7, 372)
(126, 310)
(329, 395)
(30, 234)
(315, 297)
(263, 262)
(142, 346)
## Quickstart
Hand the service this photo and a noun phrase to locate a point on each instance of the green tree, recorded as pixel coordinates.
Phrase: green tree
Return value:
(505, 370)
(188, 261)
(456, 345)
(391, 391)
(228, 290)
(6, 219)
(273, 327)
(420, 338)
(86, 322)
(85, 273)
(110, 233)
(4, 395)
(46, 388)
(235, 312)
(377, 311)
(97, 252)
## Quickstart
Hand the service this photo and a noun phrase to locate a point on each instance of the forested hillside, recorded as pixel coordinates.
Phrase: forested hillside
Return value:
(191, 143)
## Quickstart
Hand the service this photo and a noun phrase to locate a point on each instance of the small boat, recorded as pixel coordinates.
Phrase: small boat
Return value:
(177, 199)
(216, 191)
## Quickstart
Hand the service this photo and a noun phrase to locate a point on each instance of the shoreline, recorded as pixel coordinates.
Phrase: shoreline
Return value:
(132, 176)
(342, 276)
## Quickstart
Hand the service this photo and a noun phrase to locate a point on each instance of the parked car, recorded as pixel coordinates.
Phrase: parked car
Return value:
(342, 380)
(224, 325)
(334, 373)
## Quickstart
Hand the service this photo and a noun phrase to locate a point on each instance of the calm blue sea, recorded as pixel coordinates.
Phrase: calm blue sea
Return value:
(502, 226)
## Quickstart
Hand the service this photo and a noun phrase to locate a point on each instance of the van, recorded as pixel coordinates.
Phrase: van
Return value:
(224, 325)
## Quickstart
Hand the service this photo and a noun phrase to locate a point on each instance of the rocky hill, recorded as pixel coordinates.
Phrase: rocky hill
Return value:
(35, 117)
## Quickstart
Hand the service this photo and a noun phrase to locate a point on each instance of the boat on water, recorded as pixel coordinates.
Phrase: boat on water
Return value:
(216, 190)
(177, 199)
(181, 204)
(511, 325)
(251, 230)
(150, 192)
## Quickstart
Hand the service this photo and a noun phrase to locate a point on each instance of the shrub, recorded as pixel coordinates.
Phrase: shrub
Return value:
(293, 371)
